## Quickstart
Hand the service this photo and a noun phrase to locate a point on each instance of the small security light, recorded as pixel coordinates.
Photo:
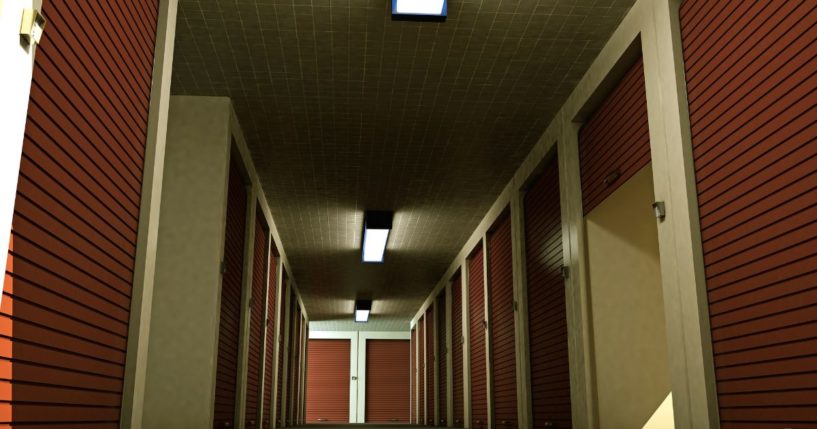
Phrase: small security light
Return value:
(362, 309)
(419, 8)
(376, 228)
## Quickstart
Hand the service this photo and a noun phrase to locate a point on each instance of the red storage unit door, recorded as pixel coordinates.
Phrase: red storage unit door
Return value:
(421, 367)
(294, 362)
(430, 359)
(230, 315)
(614, 143)
(269, 353)
(413, 377)
(387, 381)
(476, 308)
(547, 318)
(328, 381)
(751, 86)
(503, 343)
(67, 287)
(457, 368)
(255, 352)
(442, 359)
(279, 394)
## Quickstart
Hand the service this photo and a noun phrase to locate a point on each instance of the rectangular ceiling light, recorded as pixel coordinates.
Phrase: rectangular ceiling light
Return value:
(362, 309)
(376, 228)
(419, 8)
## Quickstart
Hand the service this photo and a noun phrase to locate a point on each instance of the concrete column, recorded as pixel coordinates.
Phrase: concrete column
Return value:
(15, 85)
(133, 394)
(184, 324)
(686, 306)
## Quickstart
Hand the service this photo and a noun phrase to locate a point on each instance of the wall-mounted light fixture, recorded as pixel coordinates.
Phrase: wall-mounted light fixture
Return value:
(376, 228)
(362, 309)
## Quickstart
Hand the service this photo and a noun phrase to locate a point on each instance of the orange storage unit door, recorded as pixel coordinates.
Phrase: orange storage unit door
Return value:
(430, 359)
(255, 352)
(269, 353)
(230, 317)
(328, 379)
(67, 287)
(294, 362)
(457, 368)
(421, 367)
(476, 308)
(387, 381)
(751, 87)
(279, 395)
(413, 376)
(442, 359)
(501, 327)
(614, 143)
(547, 319)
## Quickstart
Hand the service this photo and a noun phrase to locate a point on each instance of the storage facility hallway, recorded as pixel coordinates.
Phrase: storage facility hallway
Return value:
(477, 214)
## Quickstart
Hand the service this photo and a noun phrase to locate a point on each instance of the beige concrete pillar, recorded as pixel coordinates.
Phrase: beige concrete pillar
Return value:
(184, 324)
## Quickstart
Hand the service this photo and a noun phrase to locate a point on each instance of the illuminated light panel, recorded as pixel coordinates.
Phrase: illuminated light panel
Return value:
(419, 7)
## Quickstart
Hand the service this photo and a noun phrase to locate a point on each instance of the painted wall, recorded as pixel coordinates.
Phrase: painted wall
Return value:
(180, 378)
(627, 305)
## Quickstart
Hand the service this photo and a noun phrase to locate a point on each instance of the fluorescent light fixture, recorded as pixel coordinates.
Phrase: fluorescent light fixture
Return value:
(362, 309)
(376, 228)
(437, 8)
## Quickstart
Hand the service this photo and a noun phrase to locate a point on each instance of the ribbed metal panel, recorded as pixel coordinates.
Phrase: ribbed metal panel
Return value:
(229, 322)
(430, 359)
(413, 378)
(328, 380)
(476, 308)
(387, 380)
(279, 395)
(752, 85)
(503, 342)
(456, 349)
(269, 353)
(67, 287)
(255, 351)
(442, 359)
(294, 360)
(421, 367)
(614, 143)
(547, 319)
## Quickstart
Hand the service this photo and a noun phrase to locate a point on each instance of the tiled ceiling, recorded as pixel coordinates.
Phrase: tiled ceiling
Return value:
(346, 110)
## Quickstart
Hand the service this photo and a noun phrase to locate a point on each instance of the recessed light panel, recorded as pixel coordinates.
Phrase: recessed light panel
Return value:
(419, 8)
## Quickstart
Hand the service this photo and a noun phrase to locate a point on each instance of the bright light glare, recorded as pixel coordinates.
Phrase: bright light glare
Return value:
(361, 316)
(374, 244)
(418, 7)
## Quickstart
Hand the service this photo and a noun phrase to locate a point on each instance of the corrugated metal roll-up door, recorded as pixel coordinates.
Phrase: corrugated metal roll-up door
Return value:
(430, 365)
(614, 143)
(457, 339)
(413, 378)
(387, 379)
(328, 381)
(752, 87)
(230, 315)
(442, 359)
(421, 367)
(294, 355)
(269, 353)
(503, 343)
(255, 350)
(67, 287)
(547, 318)
(279, 394)
(476, 308)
